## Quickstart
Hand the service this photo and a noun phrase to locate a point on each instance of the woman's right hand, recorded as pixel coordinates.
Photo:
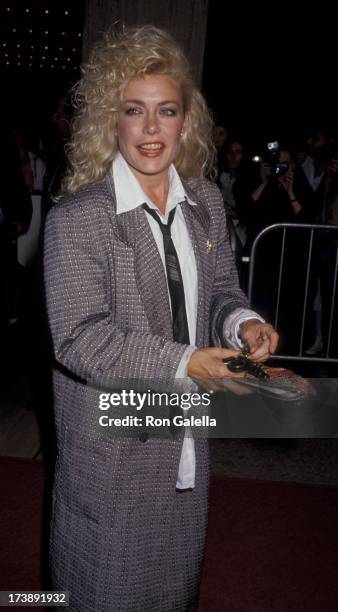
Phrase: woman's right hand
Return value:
(265, 172)
(208, 363)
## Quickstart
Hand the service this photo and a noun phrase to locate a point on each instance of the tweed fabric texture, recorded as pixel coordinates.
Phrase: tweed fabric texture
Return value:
(122, 538)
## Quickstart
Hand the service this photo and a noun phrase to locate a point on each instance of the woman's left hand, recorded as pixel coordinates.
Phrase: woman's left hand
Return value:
(261, 338)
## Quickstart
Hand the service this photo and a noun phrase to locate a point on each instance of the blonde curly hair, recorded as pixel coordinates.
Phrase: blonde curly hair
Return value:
(97, 98)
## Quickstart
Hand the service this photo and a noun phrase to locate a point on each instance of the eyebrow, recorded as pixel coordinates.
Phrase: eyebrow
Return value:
(141, 102)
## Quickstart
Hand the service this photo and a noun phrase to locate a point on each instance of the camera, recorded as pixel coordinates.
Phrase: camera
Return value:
(277, 168)
(271, 158)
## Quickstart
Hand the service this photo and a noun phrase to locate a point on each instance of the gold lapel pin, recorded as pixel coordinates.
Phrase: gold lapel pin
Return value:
(210, 246)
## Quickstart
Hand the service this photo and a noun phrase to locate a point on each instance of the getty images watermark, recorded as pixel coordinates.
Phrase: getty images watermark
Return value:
(143, 402)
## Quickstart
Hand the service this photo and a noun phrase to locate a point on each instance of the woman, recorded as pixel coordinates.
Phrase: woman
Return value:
(273, 198)
(128, 526)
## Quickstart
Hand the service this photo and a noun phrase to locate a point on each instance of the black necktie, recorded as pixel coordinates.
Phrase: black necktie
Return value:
(174, 276)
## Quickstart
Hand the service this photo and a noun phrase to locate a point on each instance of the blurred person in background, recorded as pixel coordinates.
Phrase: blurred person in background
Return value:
(15, 218)
(220, 137)
(233, 183)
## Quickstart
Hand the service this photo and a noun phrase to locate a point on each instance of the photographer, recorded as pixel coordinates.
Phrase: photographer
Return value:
(273, 197)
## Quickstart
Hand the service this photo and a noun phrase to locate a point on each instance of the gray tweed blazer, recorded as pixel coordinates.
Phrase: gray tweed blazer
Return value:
(122, 538)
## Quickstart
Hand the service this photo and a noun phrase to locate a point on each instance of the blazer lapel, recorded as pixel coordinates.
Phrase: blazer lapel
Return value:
(150, 273)
(133, 229)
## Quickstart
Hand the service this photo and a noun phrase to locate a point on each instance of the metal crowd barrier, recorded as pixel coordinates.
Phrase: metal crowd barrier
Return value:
(313, 231)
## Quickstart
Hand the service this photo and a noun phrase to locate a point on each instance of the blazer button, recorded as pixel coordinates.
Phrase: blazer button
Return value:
(144, 436)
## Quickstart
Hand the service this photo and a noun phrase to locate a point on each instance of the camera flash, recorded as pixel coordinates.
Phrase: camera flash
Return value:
(273, 146)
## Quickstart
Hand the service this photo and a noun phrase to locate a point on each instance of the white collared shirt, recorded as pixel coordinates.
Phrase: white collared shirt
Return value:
(309, 171)
(130, 195)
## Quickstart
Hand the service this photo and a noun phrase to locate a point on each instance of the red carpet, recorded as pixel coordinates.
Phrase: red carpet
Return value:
(271, 546)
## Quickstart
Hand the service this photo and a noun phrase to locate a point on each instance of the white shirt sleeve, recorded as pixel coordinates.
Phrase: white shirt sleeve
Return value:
(232, 323)
(187, 466)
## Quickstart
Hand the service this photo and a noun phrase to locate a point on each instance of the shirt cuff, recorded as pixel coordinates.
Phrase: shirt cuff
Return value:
(187, 467)
(232, 323)
(187, 383)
